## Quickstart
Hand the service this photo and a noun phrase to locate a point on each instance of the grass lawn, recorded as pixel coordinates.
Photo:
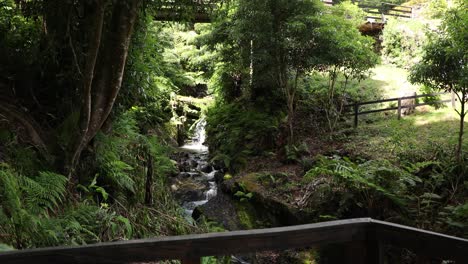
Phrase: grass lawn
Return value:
(392, 80)
(417, 137)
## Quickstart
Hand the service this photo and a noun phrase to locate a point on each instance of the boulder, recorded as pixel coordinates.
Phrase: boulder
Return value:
(206, 168)
(408, 104)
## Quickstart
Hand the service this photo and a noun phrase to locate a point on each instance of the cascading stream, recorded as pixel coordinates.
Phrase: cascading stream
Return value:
(195, 184)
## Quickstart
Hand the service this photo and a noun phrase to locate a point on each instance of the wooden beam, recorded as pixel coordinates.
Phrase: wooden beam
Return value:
(169, 15)
(367, 234)
(425, 243)
(185, 247)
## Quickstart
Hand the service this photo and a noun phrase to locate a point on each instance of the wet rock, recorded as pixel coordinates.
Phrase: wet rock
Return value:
(219, 176)
(193, 163)
(219, 165)
(194, 174)
(190, 195)
(206, 168)
(219, 209)
(184, 175)
(189, 190)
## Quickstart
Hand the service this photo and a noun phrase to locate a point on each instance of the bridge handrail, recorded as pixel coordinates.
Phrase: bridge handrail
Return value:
(364, 236)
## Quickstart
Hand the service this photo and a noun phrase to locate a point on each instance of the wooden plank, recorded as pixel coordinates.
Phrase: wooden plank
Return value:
(185, 247)
(396, 5)
(402, 98)
(397, 15)
(426, 243)
(402, 107)
(400, 10)
(374, 17)
(377, 110)
(169, 15)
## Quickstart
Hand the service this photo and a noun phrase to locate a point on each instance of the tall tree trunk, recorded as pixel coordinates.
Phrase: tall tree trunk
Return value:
(104, 68)
(149, 181)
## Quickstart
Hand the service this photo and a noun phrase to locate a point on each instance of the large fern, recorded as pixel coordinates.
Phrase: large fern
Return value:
(45, 191)
(378, 176)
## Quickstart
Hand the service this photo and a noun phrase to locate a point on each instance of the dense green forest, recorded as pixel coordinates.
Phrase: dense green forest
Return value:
(99, 97)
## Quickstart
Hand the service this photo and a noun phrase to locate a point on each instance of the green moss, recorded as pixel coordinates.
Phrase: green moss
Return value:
(250, 182)
(245, 216)
(308, 257)
(227, 176)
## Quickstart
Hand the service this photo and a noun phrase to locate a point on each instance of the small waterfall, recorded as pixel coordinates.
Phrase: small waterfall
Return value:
(198, 138)
(195, 184)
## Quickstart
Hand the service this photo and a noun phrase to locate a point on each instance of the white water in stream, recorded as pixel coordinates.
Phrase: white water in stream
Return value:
(198, 158)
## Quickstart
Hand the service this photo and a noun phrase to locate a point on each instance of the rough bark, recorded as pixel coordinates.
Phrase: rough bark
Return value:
(149, 181)
(105, 63)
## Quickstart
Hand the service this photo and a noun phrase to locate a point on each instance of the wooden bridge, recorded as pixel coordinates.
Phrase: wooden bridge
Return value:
(379, 12)
(196, 11)
(200, 11)
(365, 240)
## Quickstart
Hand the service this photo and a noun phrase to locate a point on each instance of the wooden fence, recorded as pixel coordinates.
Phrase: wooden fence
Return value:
(385, 9)
(365, 240)
(399, 106)
(382, 9)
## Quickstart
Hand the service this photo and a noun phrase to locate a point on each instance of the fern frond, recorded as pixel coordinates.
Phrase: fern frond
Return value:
(44, 191)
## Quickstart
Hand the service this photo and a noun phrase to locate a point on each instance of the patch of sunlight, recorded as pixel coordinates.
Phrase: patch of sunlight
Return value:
(433, 116)
(395, 79)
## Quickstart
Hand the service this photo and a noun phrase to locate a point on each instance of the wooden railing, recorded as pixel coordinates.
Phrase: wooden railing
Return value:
(364, 238)
(385, 9)
(197, 11)
(356, 106)
(382, 9)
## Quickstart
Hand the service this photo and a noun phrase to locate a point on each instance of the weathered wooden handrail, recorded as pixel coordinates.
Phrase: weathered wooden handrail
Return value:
(364, 236)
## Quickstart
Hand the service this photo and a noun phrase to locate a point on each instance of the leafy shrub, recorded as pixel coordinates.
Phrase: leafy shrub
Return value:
(431, 100)
(365, 184)
(121, 157)
(33, 212)
(236, 132)
(437, 8)
(403, 41)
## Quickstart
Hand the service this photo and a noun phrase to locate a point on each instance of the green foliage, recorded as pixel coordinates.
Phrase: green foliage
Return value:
(431, 100)
(236, 132)
(437, 8)
(33, 212)
(443, 64)
(19, 36)
(403, 41)
(295, 152)
(350, 11)
(119, 158)
(366, 183)
(457, 217)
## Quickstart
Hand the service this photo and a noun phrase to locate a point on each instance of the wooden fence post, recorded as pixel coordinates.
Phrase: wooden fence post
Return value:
(453, 100)
(399, 108)
(356, 113)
